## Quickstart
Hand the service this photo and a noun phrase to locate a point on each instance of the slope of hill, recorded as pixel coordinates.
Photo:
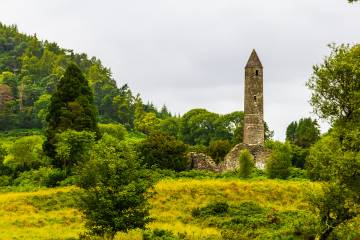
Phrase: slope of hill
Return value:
(191, 209)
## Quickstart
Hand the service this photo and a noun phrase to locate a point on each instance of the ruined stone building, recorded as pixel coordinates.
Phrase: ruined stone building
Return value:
(253, 124)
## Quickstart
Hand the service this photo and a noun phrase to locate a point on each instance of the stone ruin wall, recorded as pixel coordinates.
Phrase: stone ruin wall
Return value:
(201, 161)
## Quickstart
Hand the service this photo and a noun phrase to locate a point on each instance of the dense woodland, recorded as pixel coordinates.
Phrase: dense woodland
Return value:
(65, 122)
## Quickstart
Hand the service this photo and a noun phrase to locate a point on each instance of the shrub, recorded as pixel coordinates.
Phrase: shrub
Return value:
(5, 180)
(25, 153)
(199, 148)
(42, 177)
(116, 130)
(297, 173)
(164, 151)
(246, 163)
(218, 149)
(159, 234)
(277, 166)
(212, 209)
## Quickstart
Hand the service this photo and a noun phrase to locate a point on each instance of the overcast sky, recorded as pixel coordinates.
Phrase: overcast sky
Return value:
(191, 53)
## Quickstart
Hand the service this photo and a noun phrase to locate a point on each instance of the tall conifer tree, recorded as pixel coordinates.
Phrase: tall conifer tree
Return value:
(72, 107)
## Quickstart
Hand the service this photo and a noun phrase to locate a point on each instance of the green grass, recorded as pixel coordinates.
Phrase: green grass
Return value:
(188, 208)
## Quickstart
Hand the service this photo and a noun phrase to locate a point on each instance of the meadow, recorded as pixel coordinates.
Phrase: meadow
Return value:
(188, 208)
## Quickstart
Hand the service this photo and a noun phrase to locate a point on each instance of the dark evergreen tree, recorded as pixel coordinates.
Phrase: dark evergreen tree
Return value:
(72, 107)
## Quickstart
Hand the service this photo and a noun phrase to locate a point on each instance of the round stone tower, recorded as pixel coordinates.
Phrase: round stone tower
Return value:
(254, 102)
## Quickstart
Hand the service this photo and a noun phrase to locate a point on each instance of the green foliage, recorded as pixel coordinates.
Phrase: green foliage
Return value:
(335, 97)
(216, 208)
(298, 173)
(159, 234)
(71, 107)
(279, 162)
(114, 186)
(298, 156)
(147, 123)
(3, 153)
(246, 163)
(198, 126)
(250, 220)
(164, 151)
(333, 208)
(198, 148)
(32, 68)
(72, 148)
(218, 149)
(116, 130)
(303, 133)
(335, 86)
(25, 153)
(42, 177)
(322, 156)
(170, 126)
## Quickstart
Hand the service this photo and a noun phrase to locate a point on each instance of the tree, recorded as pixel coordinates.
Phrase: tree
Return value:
(72, 148)
(246, 163)
(25, 153)
(164, 151)
(114, 189)
(170, 126)
(198, 126)
(335, 84)
(279, 163)
(116, 130)
(71, 107)
(335, 97)
(303, 133)
(291, 132)
(218, 149)
(147, 123)
(332, 207)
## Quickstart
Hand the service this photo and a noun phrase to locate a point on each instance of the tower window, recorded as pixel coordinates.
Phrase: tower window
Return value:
(257, 72)
(254, 98)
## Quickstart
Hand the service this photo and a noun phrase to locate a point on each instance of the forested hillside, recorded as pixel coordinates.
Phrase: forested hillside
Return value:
(30, 70)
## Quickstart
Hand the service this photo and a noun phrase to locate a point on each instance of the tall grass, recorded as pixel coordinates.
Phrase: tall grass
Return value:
(51, 213)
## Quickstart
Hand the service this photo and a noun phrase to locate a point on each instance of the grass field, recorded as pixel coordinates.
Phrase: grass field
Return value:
(51, 213)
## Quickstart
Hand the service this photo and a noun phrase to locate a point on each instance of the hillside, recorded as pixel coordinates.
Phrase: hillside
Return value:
(258, 209)
(30, 70)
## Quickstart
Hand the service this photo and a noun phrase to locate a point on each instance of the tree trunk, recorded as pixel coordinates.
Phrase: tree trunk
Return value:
(326, 233)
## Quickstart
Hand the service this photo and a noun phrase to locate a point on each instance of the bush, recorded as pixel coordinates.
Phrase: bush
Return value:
(25, 153)
(42, 177)
(159, 234)
(5, 180)
(212, 209)
(246, 163)
(277, 166)
(199, 148)
(116, 130)
(164, 151)
(218, 149)
(296, 173)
